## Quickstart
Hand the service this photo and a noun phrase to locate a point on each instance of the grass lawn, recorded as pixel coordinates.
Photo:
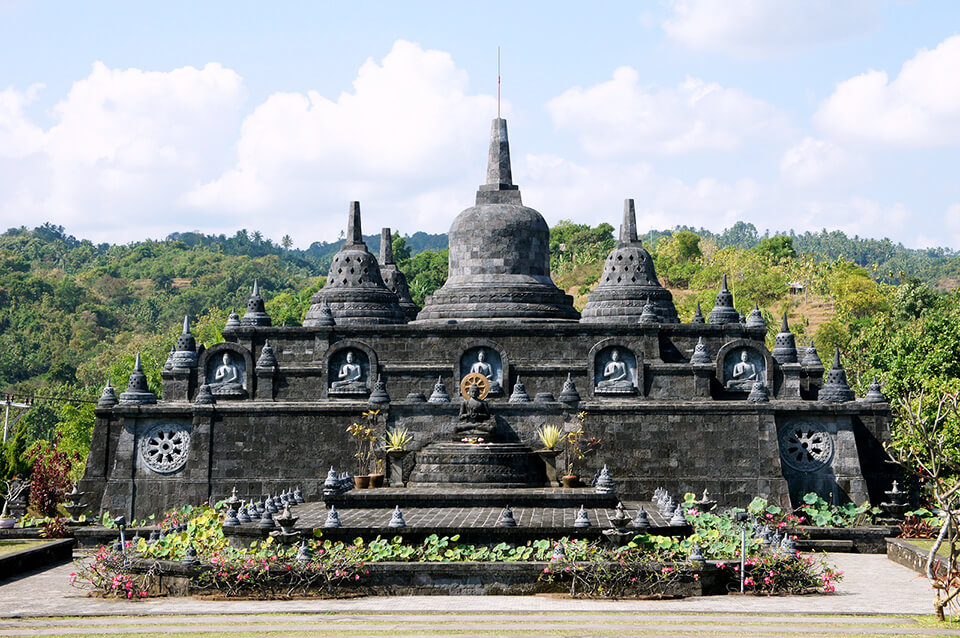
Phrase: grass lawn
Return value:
(926, 543)
(8, 547)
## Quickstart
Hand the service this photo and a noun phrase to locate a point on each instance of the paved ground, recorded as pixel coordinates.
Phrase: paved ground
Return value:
(876, 597)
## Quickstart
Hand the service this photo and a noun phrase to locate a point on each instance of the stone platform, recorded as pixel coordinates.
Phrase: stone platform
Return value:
(508, 465)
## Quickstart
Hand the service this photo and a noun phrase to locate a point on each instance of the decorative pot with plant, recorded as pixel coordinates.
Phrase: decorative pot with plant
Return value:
(552, 437)
(376, 461)
(12, 492)
(578, 446)
(365, 438)
(396, 442)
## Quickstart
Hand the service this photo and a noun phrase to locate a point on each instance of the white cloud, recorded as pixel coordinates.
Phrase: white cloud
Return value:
(753, 28)
(621, 117)
(123, 144)
(398, 142)
(919, 108)
(813, 161)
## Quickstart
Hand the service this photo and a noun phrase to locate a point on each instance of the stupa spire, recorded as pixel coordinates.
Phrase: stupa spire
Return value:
(628, 230)
(499, 175)
(354, 231)
(386, 247)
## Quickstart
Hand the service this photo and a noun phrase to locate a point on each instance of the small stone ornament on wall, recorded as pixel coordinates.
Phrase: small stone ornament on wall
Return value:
(164, 447)
(806, 446)
(742, 368)
(615, 371)
(484, 361)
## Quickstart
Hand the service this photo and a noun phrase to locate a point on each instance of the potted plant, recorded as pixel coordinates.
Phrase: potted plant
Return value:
(397, 440)
(14, 488)
(376, 473)
(552, 437)
(362, 436)
(578, 445)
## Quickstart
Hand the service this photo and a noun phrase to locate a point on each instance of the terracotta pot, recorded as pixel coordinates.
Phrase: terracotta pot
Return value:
(376, 480)
(570, 480)
(362, 482)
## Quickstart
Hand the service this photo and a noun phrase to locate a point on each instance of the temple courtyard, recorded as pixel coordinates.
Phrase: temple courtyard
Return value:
(875, 597)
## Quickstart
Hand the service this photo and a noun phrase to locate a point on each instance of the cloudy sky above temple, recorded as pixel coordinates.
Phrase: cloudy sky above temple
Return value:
(122, 121)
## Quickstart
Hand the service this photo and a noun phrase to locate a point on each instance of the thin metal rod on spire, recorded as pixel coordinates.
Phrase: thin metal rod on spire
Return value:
(498, 81)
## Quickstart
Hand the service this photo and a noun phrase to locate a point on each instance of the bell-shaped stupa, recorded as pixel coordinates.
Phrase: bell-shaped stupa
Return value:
(354, 291)
(629, 281)
(499, 255)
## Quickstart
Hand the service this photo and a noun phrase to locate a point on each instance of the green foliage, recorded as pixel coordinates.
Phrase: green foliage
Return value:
(425, 273)
(776, 248)
(823, 514)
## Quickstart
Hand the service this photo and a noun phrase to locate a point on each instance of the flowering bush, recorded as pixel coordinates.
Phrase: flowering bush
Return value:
(784, 573)
(106, 572)
(627, 572)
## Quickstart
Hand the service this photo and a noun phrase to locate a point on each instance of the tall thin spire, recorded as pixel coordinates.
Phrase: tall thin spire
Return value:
(186, 324)
(499, 175)
(354, 232)
(386, 247)
(628, 230)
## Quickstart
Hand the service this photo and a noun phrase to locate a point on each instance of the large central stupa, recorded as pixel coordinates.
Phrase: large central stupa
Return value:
(499, 255)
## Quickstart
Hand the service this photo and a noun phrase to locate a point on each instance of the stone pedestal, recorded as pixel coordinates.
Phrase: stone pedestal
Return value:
(549, 458)
(266, 384)
(790, 384)
(702, 375)
(395, 467)
(476, 464)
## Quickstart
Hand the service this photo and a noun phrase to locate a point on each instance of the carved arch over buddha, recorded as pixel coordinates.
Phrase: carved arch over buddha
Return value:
(741, 363)
(351, 368)
(484, 357)
(227, 367)
(615, 368)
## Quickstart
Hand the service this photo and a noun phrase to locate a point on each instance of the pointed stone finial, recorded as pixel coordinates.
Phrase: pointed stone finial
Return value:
(386, 247)
(267, 358)
(875, 395)
(559, 553)
(569, 393)
(698, 315)
(498, 161)
(379, 395)
(641, 520)
(138, 366)
(519, 394)
(439, 393)
(233, 321)
(506, 518)
(354, 230)
(108, 398)
(204, 396)
(583, 518)
(266, 519)
(649, 314)
(758, 393)
(835, 388)
(678, 518)
(723, 311)
(303, 553)
(785, 345)
(186, 324)
(256, 314)
(604, 483)
(811, 358)
(700, 354)
(755, 320)
(628, 230)
(256, 289)
(333, 518)
(325, 317)
(137, 391)
(396, 519)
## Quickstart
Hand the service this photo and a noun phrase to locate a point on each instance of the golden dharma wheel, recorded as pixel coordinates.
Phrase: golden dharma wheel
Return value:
(477, 379)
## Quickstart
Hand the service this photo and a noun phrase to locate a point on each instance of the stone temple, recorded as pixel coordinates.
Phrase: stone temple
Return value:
(495, 353)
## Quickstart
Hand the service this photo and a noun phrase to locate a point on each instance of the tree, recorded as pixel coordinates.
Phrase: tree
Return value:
(286, 242)
(776, 248)
(678, 258)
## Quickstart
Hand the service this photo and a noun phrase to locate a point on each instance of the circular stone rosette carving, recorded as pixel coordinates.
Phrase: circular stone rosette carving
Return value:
(165, 446)
(806, 446)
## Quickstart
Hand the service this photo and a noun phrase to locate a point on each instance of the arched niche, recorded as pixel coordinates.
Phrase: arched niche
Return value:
(227, 368)
(494, 358)
(601, 355)
(734, 361)
(352, 369)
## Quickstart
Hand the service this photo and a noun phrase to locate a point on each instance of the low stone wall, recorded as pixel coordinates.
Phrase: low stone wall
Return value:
(84, 537)
(869, 539)
(444, 579)
(903, 552)
(55, 551)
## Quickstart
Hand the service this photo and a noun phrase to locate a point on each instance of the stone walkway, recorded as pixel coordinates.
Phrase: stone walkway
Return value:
(876, 597)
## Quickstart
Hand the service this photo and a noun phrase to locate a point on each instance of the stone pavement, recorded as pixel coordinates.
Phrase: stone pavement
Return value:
(876, 597)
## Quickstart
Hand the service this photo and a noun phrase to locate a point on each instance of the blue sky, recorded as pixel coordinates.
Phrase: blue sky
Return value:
(124, 120)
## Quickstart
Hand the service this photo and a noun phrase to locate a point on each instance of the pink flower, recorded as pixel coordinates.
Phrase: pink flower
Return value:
(748, 581)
